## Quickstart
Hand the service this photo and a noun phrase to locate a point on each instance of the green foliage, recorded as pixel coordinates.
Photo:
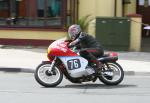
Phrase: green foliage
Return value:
(84, 22)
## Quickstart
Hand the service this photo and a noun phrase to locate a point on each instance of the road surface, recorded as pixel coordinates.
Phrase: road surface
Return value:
(22, 88)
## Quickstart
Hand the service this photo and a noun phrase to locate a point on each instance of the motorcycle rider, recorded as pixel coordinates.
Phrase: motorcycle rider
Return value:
(90, 48)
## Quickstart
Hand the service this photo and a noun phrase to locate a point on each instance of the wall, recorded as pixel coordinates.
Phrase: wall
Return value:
(86, 7)
(104, 8)
(135, 37)
(24, 34)
(28, 37)
(100, 8)
(130, 8)
(96, 8)
(119, 8)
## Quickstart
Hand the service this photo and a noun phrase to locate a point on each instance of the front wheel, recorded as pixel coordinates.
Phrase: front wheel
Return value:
(112, 73)
(46, 78)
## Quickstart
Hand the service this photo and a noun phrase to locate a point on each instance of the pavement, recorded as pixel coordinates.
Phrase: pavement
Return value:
(27, 58)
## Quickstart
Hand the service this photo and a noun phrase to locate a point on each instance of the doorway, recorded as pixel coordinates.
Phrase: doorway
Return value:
(143, 8)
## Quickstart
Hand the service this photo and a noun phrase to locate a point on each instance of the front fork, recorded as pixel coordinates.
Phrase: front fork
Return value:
(52, 65)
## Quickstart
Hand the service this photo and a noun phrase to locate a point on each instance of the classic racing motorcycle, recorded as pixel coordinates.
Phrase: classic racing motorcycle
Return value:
(64, 61)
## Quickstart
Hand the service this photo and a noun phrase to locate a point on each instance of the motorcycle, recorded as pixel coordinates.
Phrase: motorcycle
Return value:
(64, 61)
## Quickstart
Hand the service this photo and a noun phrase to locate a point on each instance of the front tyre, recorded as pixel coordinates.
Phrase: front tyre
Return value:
(48, 79)
(112, 73)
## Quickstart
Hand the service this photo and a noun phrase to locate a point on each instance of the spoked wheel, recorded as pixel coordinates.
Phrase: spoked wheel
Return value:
(46, 78)
(112, 73)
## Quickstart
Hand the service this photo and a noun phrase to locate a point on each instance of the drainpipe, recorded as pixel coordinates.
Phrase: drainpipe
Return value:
(115, 8)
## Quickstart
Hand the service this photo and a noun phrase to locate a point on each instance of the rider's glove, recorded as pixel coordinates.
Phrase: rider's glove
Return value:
(72, 44)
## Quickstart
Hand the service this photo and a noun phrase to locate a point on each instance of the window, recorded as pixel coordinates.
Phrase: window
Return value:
(36, 13)
(49, 13)
(144, 2)
(3, 11)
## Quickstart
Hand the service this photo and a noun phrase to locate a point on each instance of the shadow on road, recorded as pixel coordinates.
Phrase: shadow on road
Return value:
(16, 70)
(97, 86)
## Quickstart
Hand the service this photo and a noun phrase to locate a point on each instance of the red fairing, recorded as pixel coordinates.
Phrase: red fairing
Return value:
(60, 48)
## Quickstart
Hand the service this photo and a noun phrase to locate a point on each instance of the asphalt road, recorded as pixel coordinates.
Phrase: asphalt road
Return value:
(22, 88)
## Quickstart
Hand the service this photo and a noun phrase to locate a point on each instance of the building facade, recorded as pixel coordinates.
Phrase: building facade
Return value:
(37, 22)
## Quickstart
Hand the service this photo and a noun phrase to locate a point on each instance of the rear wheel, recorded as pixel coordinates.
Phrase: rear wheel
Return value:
(46, 78)
(112, 73)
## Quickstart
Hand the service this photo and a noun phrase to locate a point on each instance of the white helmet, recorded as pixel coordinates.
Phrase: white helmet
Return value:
(74, 30)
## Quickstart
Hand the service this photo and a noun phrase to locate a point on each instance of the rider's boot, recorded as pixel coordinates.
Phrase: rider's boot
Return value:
(97, 65)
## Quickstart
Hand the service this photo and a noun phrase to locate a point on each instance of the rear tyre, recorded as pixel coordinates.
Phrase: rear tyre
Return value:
(112, 74)
(48, 79)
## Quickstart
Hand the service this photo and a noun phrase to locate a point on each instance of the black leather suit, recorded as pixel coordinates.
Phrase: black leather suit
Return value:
(90, 48)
